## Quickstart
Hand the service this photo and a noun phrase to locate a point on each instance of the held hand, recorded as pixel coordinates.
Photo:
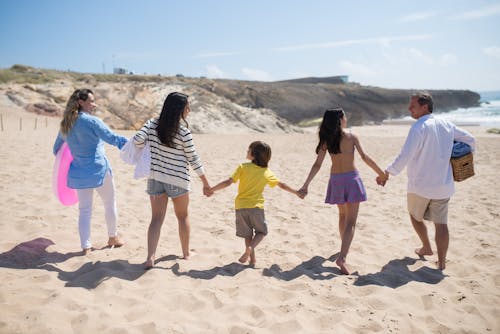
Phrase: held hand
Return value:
(381, 180)
(302, 192)
(207, 191)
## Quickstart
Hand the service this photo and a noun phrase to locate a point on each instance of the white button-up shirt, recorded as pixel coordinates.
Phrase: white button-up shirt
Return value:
(426, 153)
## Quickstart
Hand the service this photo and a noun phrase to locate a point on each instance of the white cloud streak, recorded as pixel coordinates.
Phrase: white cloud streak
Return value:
(478, 13)
(256, 75)
(330, 45)
(416, 17)
(492, 51)
(213, 71)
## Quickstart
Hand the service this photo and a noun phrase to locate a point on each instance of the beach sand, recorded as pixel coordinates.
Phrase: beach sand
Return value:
(48, 287)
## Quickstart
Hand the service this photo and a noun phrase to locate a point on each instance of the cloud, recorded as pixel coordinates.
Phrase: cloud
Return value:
(257, 75)
(419, 55)
(215, 54)
(215, 72)
(356, 70)
(329, 45)
(492, 51)
(448, 59)
(478, 13)
(416, 17)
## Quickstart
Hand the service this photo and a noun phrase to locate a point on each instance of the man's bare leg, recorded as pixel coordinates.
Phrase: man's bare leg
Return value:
(442, 241)
(421, 230)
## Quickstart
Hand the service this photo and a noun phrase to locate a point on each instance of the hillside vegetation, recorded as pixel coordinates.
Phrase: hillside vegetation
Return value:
(126, 101)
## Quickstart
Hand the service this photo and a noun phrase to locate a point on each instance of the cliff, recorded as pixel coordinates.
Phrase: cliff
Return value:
(126, 101)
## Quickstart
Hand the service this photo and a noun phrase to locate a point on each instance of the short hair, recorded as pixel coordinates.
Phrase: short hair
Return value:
(261, 153)
(424, 98)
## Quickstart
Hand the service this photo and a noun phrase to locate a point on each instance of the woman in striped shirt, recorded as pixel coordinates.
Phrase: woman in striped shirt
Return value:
(172, 152)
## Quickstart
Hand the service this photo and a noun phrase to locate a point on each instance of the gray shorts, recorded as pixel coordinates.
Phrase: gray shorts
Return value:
(434, 210)
(159, 188)
(250, 220)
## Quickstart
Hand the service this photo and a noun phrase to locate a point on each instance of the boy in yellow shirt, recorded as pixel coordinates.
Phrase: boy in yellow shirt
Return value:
(249, 203)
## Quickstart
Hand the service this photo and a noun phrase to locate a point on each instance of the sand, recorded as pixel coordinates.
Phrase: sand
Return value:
(48, 287)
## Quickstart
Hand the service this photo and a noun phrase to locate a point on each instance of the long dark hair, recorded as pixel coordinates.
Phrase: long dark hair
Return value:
(330, 131)
(171, 114)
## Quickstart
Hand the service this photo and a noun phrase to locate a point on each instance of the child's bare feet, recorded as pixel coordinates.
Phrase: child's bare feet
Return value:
(342, 265)
(246, 255)
(86, 251)
(115, 242)
(253, 260)
(423, 251)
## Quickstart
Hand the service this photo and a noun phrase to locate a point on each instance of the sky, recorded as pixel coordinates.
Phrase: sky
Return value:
(439, 44)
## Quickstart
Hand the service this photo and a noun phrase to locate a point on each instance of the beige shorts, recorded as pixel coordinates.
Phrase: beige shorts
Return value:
(435, 210)
(250, 220)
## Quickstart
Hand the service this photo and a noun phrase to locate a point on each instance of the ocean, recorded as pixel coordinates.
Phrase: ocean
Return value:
(487, 114)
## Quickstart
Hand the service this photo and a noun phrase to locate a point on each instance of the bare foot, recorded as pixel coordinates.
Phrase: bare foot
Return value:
(86, 251)
(246, 255)
(342, 265)
(253, 260)
(115, 242)
(441, 265)
(423, 251)
(149, 264)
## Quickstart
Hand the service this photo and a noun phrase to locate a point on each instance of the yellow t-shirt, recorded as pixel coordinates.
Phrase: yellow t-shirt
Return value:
(253, 180)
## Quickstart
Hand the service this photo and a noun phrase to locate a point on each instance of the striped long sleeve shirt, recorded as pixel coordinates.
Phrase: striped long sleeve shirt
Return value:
(170, 164)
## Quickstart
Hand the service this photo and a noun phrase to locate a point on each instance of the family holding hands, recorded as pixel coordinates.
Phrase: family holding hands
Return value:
(425, 154)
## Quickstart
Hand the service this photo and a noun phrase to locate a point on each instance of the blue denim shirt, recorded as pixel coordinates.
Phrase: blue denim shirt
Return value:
(86, 143)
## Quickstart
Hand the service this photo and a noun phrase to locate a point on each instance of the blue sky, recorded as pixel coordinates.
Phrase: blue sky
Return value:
(448, 44)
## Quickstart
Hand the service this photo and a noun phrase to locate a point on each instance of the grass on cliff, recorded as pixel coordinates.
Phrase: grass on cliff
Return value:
(22, 74)
(27, 75)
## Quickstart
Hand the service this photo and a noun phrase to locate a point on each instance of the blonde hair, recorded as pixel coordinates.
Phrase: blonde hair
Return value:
(72, 106)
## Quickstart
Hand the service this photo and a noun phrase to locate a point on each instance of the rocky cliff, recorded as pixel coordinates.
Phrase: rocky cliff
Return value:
(126, 101)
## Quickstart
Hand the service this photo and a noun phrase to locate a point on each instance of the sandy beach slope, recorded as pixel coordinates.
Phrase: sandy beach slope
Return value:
(47, 287)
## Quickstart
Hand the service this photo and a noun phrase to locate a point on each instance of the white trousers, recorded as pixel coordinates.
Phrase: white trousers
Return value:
(85, 198)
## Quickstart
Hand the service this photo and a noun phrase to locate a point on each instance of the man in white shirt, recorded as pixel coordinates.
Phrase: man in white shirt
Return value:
(426, 154)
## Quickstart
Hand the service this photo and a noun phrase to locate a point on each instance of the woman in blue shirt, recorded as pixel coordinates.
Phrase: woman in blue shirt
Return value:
(90, 169)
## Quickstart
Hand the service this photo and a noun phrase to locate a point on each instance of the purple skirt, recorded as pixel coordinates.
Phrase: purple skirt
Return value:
(345, 188)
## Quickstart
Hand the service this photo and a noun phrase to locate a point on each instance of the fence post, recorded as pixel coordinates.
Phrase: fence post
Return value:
(1, 120)
(20, 123)
(36, 121)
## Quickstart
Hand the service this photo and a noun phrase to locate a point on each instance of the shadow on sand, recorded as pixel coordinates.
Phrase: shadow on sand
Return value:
(33, 255)
(313, 268)
(231, 269)
(396, 273)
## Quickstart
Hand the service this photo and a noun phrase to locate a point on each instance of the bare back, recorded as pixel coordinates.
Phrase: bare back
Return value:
(343, 162)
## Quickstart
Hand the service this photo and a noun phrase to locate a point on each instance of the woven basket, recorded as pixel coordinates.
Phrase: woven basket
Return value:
(463, 167)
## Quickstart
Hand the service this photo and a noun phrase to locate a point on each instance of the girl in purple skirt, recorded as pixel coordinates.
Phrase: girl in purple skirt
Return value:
(345, 188)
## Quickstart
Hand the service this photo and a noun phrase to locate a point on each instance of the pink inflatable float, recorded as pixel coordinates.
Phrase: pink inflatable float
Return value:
(65, 195)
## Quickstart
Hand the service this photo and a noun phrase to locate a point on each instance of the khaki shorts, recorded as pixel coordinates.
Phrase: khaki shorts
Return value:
(435, 210)
(250, 220)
